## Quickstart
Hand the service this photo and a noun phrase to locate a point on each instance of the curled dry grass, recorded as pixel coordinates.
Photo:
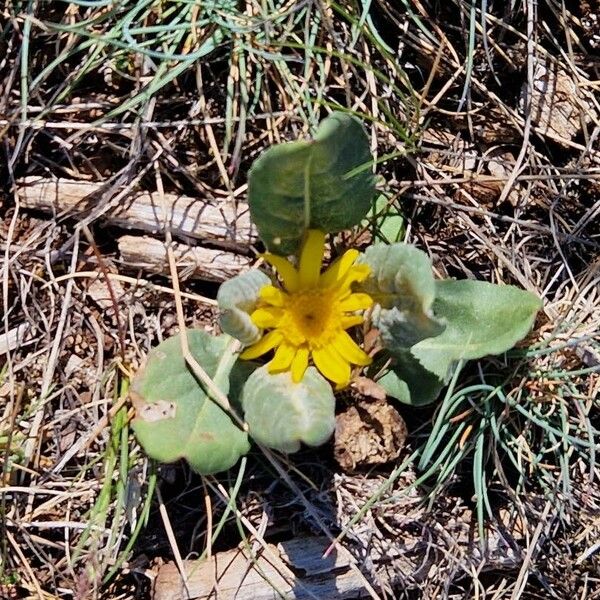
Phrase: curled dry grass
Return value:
(152, 93)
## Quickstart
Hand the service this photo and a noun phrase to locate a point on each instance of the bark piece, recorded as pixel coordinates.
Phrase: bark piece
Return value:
(299, 573)
(559, 105)
(100, 292)
(213, 219)
(14, 338)
(150, 254)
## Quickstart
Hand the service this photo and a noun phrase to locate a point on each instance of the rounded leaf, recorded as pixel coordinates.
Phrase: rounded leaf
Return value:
(386, 221)
(408, 381)
(481, 318)
(281, 414)
(401, 283)
(174, 416)
(315, 184)
(237, 297)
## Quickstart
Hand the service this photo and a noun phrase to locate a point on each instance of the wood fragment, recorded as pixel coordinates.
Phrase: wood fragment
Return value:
(219, 220)
(235, 575)
(13, 338)
(560, 105)
(150, 254)
(99, 291)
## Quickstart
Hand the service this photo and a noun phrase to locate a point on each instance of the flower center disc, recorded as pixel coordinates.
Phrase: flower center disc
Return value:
(311, 313)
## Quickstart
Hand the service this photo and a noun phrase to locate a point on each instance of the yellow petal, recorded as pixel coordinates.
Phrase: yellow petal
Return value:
(351, 320)
(299, 364)
(349, 350)
(267, 317)
(311, 258)
(358, 273)
(286, 270)
(339, 268)
(356, 302)
(355, 273)
(332, 365)
(272, 295)
(283, 358)
(266, 343)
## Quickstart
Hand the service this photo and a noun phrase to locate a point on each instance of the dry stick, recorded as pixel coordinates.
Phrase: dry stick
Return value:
(172, 540)
(96, 388)
(559, 249)
(52, 359)
(110, 126)
(26, 565)
(133, 281)
(531, 16)
(372, 85)
(431, 79)
(524, 572)
(5, 281)
(218, 395)
(198, 371)
(84, 442)
(212, 140)
(209, 533)
(111, 292)
(4, 474)
(592, 175)
(46, 491)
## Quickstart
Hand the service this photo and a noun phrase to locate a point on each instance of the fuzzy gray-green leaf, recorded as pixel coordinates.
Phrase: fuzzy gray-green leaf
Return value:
(401, 283)
(281, 414)
(237, 298)
(174, 416)
(481, 318)
(309, 184)
(409, 381)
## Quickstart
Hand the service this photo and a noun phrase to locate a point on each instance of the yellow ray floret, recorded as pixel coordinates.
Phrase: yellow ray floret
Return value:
(308, 317)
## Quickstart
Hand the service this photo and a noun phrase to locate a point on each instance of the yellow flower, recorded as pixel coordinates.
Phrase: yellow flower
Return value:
(308, 318)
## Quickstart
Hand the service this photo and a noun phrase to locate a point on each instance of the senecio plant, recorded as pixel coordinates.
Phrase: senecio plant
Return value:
(305, 324)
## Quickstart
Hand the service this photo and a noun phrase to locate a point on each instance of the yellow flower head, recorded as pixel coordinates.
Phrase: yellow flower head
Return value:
(308, 318)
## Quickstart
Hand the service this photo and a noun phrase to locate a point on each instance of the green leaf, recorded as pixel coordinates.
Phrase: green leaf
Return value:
(481, 318)
(401, 283)
(409, 381)
(281, 414)
(312, 184)
(237, 297)
(175, 418)
(386, 221)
